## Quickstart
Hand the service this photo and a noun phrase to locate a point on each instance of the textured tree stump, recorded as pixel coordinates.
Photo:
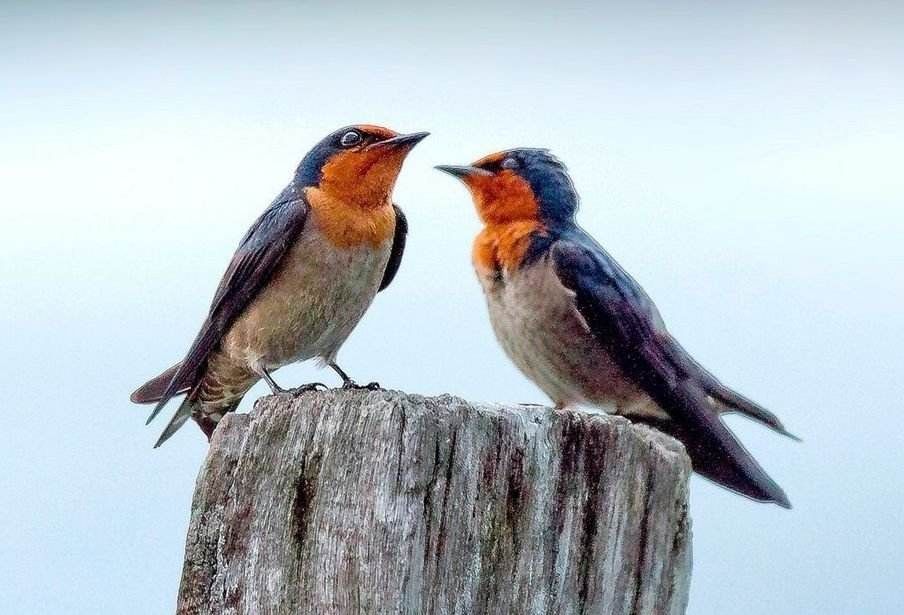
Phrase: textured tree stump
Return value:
(381, 502)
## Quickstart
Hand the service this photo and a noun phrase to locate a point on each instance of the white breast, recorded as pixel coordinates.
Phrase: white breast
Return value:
(313, 303)
(538, 326)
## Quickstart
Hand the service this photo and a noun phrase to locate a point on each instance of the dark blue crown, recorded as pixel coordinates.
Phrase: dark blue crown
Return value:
(548, 178)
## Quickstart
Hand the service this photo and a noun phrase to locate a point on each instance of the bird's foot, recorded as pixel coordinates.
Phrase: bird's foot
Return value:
(348, 383)
(305, 388)
(351, 385)
(560, 409)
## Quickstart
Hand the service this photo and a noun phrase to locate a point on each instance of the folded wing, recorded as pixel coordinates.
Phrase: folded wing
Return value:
(398, 247)
(625, 321)
(255, 261)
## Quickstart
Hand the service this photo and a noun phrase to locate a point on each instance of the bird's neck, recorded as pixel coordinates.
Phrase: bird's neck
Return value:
(346, 223)
(502, 246)
(357, 194)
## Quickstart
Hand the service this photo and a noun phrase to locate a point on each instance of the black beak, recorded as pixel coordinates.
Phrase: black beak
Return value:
(402, 141)
(461, 172)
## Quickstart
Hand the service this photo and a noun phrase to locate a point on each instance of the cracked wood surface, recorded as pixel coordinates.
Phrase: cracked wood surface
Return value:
(344, 502)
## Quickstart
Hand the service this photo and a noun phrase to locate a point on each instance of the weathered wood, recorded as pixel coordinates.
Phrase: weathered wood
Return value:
(381, 502)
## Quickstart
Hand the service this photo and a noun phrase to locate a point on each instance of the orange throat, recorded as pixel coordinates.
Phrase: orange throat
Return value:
(504, 197)
(346, 224)
(507, 205)
(365, 178)
(501, 247)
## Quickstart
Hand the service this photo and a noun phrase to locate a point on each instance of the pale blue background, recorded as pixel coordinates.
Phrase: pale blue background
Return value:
(744, 163)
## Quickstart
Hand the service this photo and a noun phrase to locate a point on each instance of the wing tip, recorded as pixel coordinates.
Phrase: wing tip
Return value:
(756, 484)
(784, 502)
(776, 495)
(746, 477)
(762, 490)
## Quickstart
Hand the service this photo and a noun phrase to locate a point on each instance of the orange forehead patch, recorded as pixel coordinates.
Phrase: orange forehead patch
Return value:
(490, 159)
(378, 131)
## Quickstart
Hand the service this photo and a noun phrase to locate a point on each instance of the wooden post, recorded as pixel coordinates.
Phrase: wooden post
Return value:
(347, 502)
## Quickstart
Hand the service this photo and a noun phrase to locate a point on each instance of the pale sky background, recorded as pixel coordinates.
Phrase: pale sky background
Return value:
(743, 162)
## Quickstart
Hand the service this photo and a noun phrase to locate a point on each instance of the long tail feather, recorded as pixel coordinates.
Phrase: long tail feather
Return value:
(725, 398)
(184, 413)
(185, 375)
(714, 450)
(732, 401)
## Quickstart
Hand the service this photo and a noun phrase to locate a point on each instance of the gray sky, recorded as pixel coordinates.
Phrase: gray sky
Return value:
(742, 162)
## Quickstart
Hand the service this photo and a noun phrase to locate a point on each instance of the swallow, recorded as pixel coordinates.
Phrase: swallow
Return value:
(577, 325)
(301, 279)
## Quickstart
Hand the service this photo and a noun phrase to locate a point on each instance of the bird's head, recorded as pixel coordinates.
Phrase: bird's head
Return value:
(519, 184)
(357, 164)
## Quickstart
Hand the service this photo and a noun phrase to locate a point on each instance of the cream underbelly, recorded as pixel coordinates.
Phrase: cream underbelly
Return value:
(536, 323)
(311, 306)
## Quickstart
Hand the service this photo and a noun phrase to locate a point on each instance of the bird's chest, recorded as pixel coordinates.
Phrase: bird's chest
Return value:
(522, 299)
(537, 324)
(530, 310)
(314, 301)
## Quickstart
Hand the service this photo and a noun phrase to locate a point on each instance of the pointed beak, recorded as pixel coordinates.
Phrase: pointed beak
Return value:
(461, 172)
(401, 141)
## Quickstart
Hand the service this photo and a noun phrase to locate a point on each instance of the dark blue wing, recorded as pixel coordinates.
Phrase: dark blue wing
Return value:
(626, 323)
(398, 247)
(254, 262)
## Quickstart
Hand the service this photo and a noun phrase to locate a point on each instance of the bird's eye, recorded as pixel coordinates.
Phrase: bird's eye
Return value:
(350, 139)
(509, 163)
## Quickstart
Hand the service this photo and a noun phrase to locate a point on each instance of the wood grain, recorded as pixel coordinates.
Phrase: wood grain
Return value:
(344, 502)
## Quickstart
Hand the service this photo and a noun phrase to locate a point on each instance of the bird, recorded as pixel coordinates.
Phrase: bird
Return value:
(584, 331)
(300, 280)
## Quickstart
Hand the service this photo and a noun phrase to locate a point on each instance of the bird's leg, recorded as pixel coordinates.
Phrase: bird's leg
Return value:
(348, 383)
(274, 388)
(278, 390)
(560, 408)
